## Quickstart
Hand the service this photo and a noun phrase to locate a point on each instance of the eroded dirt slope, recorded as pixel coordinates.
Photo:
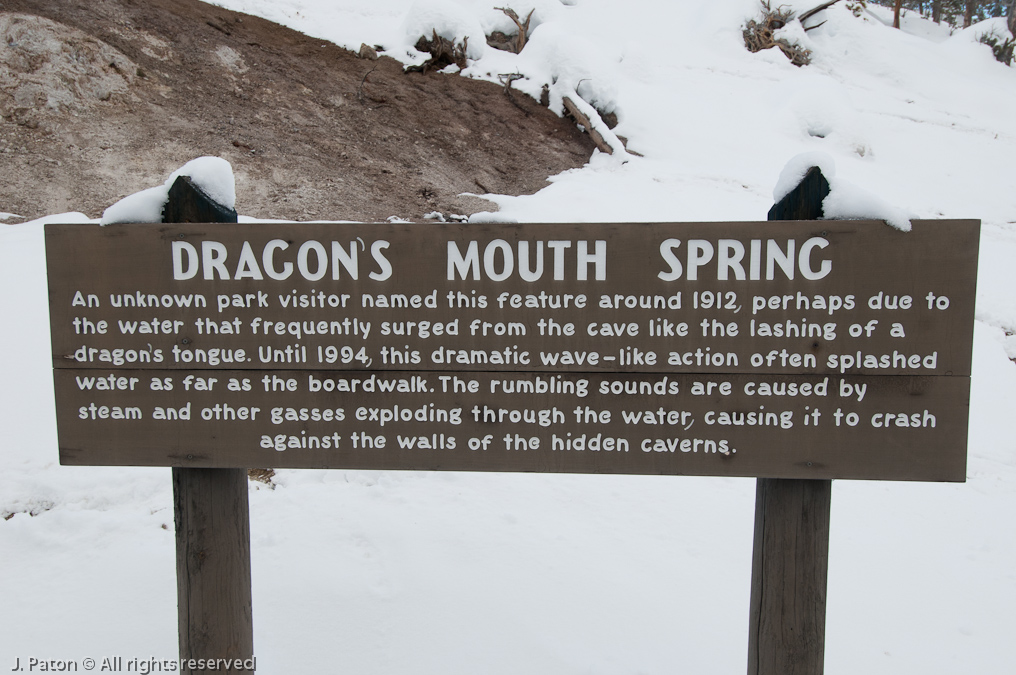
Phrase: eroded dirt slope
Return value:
(102, 98)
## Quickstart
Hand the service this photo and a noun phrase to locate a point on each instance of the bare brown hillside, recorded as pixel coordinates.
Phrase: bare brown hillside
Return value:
(102, 98)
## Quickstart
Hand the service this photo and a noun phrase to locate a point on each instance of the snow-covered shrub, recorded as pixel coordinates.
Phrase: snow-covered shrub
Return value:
(428, 20)
(857, 7)
(443, 53)
(761, 34)
(1001, 46)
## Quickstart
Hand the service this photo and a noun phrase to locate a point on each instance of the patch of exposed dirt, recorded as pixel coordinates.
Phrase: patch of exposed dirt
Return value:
(102, 98)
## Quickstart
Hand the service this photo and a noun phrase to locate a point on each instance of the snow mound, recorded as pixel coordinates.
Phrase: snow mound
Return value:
(845, 200)
(212, 175)
(447, 19)
(140, 207)
(997, 26)
(794, 171)
(68, 218)
(491, 217)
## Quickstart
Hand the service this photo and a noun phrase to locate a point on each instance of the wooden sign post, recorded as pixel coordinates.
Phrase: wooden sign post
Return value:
(210, 507)
(789, 564)
(790, 554)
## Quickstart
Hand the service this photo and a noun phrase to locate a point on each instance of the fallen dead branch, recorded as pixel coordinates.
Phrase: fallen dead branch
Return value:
(523, 28)
(501, 41)
(362, 96)
(582, 119)
(359, 90)
(506, 79)
(815, 10)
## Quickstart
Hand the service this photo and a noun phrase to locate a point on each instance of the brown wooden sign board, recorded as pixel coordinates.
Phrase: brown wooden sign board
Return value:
(828, 349)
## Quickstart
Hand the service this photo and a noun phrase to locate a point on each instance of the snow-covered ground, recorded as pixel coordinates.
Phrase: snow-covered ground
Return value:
(367, 572)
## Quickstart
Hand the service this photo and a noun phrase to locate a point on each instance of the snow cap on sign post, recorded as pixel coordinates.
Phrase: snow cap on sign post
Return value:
(809, 189)
(211, 176)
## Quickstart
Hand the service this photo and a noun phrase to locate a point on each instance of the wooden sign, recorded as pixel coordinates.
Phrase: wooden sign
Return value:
(828, 349)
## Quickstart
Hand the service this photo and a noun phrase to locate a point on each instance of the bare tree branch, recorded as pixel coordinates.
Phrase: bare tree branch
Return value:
(520, 40)
(815, 10)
